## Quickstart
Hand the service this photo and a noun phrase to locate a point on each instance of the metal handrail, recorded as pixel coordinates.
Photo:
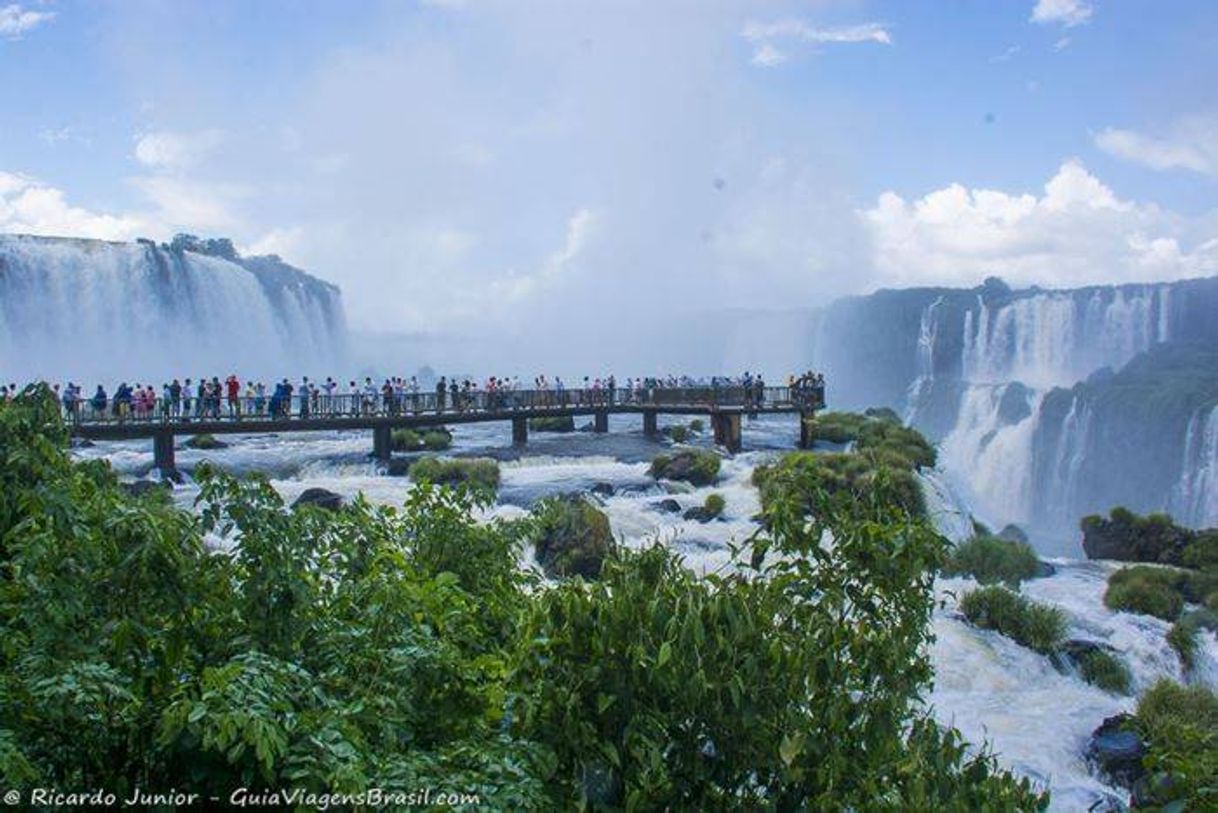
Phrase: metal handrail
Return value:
(318, 405)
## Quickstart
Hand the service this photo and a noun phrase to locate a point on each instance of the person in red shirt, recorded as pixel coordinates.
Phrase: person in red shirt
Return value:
(233, 386)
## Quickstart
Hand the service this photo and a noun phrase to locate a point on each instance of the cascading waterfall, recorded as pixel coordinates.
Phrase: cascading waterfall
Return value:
(95, 312)
(1012, 354)
(927, 330)
(1195, 497)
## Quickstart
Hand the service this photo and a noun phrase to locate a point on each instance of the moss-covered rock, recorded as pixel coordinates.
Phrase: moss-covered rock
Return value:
(850, 475)
(1037, 626)
(698, 467)
(709, 510)
(205, 443)
(573, 537)
(1096, 663)
(1146, 590)
(1179, 725)
(556, 423)
(1127, 537)
(320, 497)
(477, 472)
(990, 560)
(435, 439)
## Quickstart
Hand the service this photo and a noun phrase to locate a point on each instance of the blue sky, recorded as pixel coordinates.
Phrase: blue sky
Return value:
(452, 159)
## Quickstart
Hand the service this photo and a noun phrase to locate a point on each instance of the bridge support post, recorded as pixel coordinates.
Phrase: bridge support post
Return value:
(651, 426)
(382, 443)
(805, 429)
(520, 431)
(602, 422)
(726, 426)
(162, 452)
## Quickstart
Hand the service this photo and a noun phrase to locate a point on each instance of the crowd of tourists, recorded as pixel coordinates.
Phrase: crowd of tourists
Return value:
(214, 398)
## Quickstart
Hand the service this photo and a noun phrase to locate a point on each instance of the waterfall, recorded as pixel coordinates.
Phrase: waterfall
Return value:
(927, 331)
(1062, 488)
(1195, 497)
(96, 312)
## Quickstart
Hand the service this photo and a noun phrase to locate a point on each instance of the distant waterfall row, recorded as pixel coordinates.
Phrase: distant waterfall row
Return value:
(97, 312)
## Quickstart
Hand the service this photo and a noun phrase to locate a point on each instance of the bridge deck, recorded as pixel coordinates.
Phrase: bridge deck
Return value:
(263, 415)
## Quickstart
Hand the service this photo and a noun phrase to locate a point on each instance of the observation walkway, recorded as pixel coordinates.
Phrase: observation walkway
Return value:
(724, 406)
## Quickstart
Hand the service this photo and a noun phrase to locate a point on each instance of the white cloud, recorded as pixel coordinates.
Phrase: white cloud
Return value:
(191, 205)
(16, 20)
(1076, 232)
(1006, 55)
(767, 54)
(1191, 143)
(1062, 44)
(28, 206)
(1065, 12)
(516, 287)
(175, 151)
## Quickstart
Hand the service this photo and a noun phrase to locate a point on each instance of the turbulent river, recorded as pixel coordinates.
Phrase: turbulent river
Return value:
(1035, 718)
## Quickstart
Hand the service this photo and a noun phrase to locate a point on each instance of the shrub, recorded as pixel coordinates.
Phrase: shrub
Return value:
(1105, 670)
(850, 477)
(556, 423)
(713, 505)
(1036, 626)
(1180, 725)
(437, 440)
(205, 443)
(405, 440)
(1202, 552)
(678, 434)
(480, 473)
(573, 537)
(697, 426)
(989, 560)
(1183, 638)
(698, 467)
(1147, 590)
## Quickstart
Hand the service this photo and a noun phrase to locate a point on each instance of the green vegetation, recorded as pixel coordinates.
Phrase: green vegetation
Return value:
(572, 537)
(387, 648)
(1036, 626)
(879, 431)
(699, 467)
(990, 560)
(697, 426)
(846, 476)
(556, 423)
(1180, 726)
(205, 443)
(1148, 590)
(713, 505)
(1105, 670)
(432, 440)
(1183, 638)
(679, 434)
(1154, 538)
(478, 472)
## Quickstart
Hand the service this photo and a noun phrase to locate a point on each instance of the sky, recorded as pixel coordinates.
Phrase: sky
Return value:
(565, 169)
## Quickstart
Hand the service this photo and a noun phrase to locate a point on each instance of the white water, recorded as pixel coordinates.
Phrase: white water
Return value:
(1036, 718)
(1195, 497)
(96, 312)
(1042, 341)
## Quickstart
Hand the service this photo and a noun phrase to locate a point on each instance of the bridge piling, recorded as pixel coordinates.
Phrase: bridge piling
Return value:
(650, 424)
(382, 443)
(520, 431)
(726, 426)
(602, 421)
(162, 452)
(805, 429)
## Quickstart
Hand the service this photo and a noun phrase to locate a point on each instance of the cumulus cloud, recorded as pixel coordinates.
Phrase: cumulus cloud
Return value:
(16, 20)
(1077, 231)
(28, 206)
(1068, 13)
(763, 35)
(1191, 143)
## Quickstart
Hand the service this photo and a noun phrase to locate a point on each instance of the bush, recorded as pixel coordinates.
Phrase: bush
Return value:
(205, 443)
(678, 434)
(990, 560)
(1039, 627)
(1146, 590)
(713, 505)
(697, 426)
(1180, 725)
(437, 440)
(405, 440)
(1183, 638)
(698, 467)
(556, 423)
(849, 477)
(480, 473)
(573, 537)
(1105, 670)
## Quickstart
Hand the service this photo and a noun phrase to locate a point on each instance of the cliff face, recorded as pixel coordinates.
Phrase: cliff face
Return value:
(94, 311)
(1020, 388)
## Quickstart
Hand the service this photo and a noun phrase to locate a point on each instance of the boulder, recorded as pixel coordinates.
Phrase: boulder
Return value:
(81, 443)
(173, 476)
(205, 443)
(699, 514)
(695, 466)
(573, 537)
(1044, 570)
(1070, 653)
(1013, 533)
(397, 467)
(140, 488)
(667, 506)
(603, 489)
(1116, 751)
(321, 497)
(1126, 537)
(556, 423)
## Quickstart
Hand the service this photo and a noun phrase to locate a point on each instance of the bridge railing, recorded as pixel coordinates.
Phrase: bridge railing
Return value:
(377, 404)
